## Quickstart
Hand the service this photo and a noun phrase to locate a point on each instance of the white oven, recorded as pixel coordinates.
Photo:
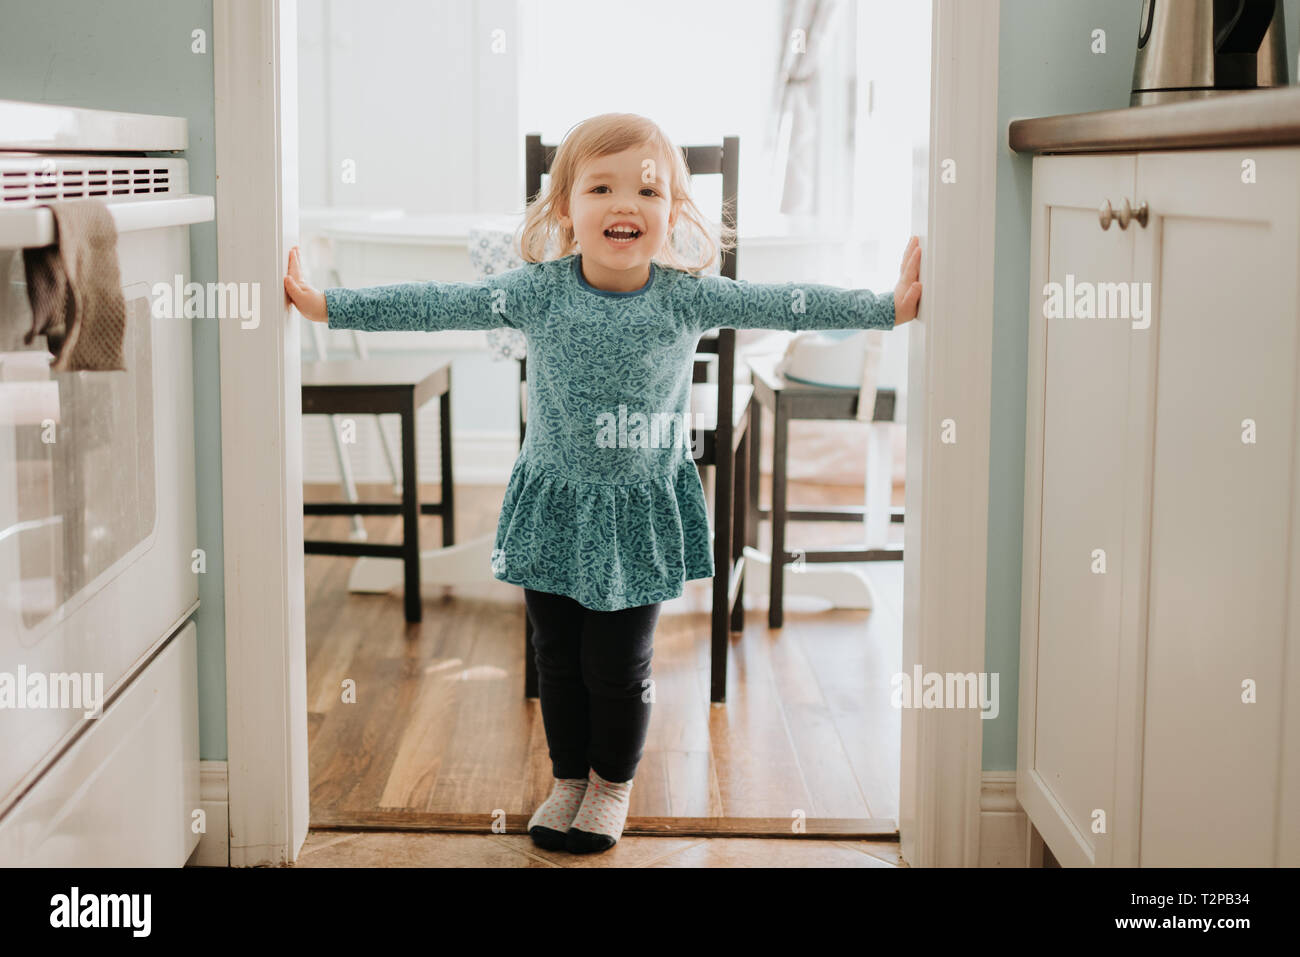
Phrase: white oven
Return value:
(97, 512)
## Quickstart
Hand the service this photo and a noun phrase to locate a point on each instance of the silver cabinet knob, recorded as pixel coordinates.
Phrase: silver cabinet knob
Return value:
(1107, 215)
(1125, 215)
(1142, 215)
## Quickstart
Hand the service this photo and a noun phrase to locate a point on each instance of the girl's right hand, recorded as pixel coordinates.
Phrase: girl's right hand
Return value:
(308, 301)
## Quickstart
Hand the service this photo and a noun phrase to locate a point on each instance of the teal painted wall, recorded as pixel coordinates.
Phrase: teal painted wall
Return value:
(1045, 65)
(135, 56)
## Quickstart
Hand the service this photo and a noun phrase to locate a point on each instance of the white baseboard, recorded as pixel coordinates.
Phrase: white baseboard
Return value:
(1004, 827)
(214, 799)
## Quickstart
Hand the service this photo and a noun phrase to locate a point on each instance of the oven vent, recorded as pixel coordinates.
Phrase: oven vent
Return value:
(35, 180)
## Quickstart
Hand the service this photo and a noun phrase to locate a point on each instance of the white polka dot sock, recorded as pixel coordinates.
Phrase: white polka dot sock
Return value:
(550, 821)
(599, 822)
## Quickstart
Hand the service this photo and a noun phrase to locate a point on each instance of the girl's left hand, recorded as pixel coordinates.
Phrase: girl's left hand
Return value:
(907, 294)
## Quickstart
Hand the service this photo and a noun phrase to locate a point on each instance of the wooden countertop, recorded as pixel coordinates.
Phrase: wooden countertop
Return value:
(1268, 117)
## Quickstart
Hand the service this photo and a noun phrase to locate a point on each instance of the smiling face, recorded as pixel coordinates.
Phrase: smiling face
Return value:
(621, 211)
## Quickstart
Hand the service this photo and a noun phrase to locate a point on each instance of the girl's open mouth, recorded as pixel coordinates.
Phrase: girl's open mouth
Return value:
(622, 235)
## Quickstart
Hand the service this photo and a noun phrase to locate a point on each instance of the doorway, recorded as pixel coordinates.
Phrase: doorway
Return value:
(243, 102)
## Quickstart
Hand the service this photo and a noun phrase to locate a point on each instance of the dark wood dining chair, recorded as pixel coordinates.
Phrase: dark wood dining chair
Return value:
(788, 401)
(375, 386)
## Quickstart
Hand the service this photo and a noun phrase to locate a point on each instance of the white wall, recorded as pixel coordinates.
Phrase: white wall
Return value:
(423, 99)
(413, 94)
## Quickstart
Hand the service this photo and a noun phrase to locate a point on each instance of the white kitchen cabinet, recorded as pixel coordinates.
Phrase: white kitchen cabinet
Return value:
(1135, 745)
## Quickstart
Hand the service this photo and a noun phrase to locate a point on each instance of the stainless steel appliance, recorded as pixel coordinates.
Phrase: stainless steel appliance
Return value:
(1188, 49)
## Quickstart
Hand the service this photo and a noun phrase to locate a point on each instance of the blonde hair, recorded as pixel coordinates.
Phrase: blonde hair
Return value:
(543, 237)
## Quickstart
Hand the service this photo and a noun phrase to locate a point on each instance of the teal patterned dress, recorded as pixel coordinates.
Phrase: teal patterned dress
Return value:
(604, 503)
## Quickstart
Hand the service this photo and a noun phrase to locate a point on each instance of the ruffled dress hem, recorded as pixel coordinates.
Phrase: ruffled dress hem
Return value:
(608, 547)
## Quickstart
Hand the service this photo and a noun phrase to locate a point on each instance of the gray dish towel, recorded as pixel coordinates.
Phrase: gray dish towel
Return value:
(75, 289)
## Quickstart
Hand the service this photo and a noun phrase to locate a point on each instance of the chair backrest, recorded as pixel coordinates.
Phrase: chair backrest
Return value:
(700, 160)
(721, 160)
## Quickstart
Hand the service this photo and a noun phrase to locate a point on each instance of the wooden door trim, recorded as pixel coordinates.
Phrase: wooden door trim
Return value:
(822, 828)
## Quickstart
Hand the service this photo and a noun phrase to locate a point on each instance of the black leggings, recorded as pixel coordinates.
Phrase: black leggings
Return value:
(593, 673)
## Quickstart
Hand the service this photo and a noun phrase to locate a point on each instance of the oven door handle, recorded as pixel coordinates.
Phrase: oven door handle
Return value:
(27, 227)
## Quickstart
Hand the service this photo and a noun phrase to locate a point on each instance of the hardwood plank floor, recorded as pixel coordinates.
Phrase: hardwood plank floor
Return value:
(439, 723)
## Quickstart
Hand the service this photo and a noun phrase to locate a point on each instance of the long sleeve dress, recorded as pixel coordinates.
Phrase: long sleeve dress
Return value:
(604, 503)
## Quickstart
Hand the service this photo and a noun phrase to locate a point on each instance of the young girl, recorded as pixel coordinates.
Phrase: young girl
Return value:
(599, 529)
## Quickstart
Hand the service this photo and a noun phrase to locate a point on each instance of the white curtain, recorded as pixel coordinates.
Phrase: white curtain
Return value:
(805, 36)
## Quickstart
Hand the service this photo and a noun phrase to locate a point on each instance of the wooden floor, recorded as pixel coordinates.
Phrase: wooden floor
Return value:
(389, 849)
(440, 725)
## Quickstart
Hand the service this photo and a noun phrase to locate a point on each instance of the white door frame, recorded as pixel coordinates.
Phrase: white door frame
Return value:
(945, 546)
(255, 62)
(255, 48)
